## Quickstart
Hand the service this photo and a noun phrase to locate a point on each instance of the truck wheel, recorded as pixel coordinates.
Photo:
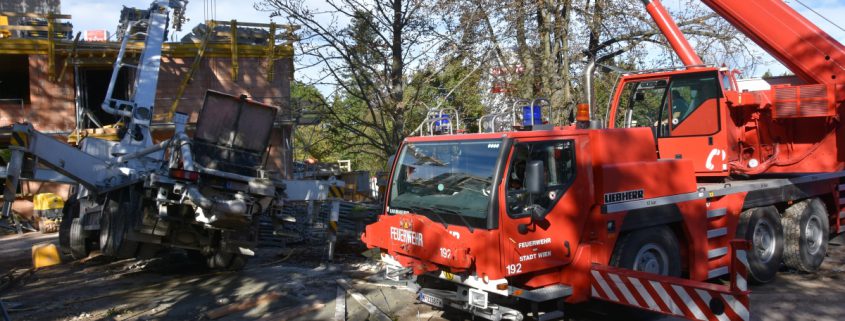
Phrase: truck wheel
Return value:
(219, 260)
(115, 223)
(805, 229)
(226, 261)
(238, 262)
(78, 240)
(69, 212)
(761, 227)
(653, 250)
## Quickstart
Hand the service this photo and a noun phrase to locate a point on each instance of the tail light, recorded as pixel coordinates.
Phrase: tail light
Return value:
(184, 175)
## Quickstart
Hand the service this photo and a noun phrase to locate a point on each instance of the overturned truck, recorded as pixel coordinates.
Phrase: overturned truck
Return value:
(202, 194)
(137, 195)
(205, 196)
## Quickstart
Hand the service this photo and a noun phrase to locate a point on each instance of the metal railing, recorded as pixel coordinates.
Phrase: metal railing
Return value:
(522, 114)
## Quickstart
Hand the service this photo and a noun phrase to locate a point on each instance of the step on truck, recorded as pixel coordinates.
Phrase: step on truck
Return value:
(133, 197)
(688, 181)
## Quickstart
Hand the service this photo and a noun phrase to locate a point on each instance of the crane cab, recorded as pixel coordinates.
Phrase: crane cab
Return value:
(685, 110)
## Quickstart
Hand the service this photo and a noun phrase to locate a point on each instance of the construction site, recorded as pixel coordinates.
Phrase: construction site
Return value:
(154, 177)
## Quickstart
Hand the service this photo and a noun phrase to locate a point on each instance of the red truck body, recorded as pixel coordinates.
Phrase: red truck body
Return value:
(689, 171)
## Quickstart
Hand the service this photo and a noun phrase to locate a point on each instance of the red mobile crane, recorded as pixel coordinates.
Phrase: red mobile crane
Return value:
(527, 213)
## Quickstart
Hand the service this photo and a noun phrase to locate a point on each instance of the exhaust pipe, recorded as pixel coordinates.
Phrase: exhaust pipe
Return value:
(584, 112)
(588, 86)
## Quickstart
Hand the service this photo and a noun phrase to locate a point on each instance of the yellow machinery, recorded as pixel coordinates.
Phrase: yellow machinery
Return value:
(48, 211)
(4, 21)
(44, 255)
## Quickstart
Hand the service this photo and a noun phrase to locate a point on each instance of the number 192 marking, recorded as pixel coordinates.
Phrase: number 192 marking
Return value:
(514, 268)
(445, 253)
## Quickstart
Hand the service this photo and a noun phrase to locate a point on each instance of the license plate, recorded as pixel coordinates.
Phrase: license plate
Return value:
(431, 300)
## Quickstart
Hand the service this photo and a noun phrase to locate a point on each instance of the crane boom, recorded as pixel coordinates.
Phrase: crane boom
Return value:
(797, 43)
(672, 33)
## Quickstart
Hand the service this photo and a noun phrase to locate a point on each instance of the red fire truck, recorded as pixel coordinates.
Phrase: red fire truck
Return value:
(689, 180)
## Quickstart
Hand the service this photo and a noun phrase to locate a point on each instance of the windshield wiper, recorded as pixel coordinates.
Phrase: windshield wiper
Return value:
(426, 210)
(458, 214)
(431, 210)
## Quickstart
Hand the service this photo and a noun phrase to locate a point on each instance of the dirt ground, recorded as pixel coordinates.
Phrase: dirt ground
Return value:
(173, 288)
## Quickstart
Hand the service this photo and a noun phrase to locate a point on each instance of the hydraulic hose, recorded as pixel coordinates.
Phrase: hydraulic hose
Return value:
(235, 206)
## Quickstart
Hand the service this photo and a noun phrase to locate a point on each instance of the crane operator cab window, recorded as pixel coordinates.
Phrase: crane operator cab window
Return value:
(558, 167)
(684, 105)
(694, 104)
(640, 106)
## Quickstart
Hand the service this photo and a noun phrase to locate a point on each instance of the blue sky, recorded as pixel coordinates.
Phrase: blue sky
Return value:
(103, 14)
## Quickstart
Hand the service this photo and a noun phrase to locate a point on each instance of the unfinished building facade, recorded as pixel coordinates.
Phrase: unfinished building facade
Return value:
(57, 81)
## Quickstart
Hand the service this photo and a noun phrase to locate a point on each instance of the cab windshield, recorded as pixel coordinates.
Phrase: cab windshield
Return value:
(449, 182)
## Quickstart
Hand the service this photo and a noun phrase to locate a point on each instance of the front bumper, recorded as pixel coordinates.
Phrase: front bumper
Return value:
(460, 300)
(473, 293)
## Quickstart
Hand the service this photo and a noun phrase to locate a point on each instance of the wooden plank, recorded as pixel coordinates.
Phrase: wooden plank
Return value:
(51, 50)
(213, 50)
(36, 28)
(375, 313)
(33, 15)
(244, 24)
(188, 75)
(290, 28)
(271, 48)
(340, 305)
(234, 49)
(67, 60)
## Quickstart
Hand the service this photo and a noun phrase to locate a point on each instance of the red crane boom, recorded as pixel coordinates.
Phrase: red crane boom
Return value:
(797, 43)
(672, 33)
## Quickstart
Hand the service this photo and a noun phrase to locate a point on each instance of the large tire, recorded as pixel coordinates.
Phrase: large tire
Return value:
(238, 262)
(69, 212)
(654, 250)
(220, 260)
(119, 208)
(805, 229)
(762, 228)
(78, 240)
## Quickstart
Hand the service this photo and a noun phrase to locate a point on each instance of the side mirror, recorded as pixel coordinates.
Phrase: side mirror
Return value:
(535, 177)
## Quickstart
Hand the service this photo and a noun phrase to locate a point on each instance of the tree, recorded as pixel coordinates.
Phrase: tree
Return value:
(543, 45)
(366, 61)
(310, 141)
(389, 61)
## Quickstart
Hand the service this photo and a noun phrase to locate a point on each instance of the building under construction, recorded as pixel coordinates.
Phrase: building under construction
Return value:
(57, 78)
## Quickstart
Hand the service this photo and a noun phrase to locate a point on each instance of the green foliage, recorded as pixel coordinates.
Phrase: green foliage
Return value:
(454, 86)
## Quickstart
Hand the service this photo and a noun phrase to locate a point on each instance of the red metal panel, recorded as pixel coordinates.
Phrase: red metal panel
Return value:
(803, 101)
(793, 40)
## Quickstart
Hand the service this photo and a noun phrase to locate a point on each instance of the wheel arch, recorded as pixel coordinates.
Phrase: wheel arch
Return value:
(668, 215)
(652, 216)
